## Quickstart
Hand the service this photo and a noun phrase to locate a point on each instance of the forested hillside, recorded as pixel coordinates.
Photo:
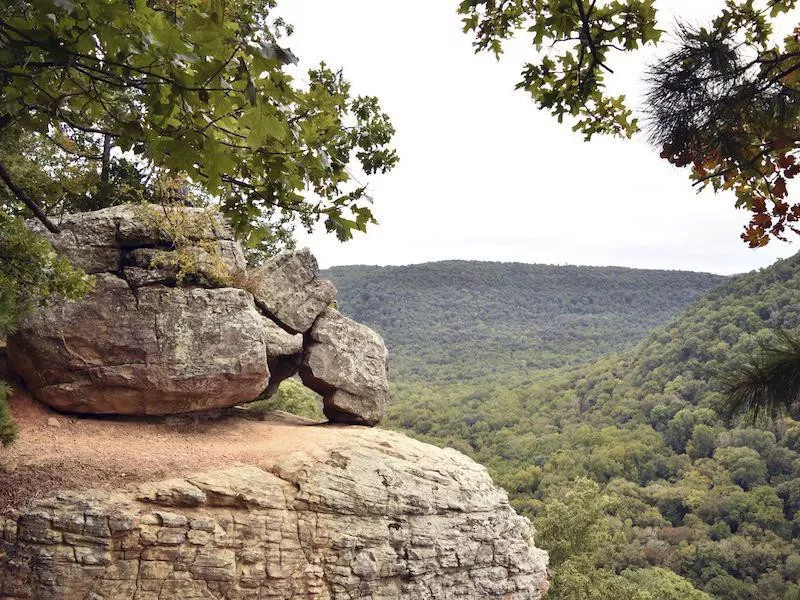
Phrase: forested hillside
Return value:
(458, 320)
(624, 464)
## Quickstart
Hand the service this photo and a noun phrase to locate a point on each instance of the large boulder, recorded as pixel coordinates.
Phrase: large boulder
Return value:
(334, 516)
(347, 364)
(288, 288)
(159, 350)
(164, 331)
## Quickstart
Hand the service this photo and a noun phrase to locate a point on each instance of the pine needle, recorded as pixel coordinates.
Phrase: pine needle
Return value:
(770, 384)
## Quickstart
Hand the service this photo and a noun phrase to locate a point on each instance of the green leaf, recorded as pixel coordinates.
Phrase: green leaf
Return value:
(263, 127)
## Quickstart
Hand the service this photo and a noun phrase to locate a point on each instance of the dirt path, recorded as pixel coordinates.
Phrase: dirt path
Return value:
(58, 452)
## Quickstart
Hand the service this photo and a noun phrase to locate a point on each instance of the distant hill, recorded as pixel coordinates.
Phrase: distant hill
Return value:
(717, 504)
(457, 320)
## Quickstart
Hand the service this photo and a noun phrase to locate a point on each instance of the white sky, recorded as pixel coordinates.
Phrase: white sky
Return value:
(484, 175)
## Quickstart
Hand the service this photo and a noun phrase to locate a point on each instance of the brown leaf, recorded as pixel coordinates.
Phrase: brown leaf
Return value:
(779, 188)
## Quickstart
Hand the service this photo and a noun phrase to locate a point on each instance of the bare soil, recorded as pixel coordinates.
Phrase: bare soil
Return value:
(62, 452)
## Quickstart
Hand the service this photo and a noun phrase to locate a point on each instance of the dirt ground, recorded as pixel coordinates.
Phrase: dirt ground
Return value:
(60, 452)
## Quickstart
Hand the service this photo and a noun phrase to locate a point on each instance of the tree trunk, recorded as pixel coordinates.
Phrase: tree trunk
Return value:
(106, 170)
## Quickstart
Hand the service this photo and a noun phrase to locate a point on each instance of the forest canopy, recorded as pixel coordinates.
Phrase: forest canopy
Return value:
(637, 484)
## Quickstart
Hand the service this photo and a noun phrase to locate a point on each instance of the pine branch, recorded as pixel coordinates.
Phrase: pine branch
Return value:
(770, 384)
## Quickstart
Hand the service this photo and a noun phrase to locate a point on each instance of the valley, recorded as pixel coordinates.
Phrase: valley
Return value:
(610, 441)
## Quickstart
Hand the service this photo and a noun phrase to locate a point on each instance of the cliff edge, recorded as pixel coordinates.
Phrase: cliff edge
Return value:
(166, 489)
(242, 509)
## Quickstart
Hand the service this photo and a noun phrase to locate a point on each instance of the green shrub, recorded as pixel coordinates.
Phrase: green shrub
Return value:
(292, 397)
(8, 430)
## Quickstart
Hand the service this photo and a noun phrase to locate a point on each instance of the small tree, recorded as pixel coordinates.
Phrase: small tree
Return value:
(31, 273)
(199, 87)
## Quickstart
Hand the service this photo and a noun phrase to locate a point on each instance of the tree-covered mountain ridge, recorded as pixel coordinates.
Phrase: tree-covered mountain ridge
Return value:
(459, 320)
(634, 481)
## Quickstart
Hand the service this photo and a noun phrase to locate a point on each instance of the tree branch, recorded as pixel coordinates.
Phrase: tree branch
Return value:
(27, 201)
(586, 29)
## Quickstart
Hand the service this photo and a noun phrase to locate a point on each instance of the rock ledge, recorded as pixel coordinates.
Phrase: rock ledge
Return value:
(363, 514)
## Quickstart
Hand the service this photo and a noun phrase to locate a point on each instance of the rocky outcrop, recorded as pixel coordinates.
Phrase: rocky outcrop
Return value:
(346, 363)
(222, 507)
(372, 515)
(289, 289)
(161, 350)
(170, 328)
(100, 241)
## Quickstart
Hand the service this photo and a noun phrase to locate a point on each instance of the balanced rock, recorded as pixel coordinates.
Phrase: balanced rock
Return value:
(362, 514)
(169, 329)
(347, 364)
(161, 350)
(288, 288)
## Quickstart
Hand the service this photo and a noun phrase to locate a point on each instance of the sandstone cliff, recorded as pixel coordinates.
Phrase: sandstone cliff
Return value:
(237, 509)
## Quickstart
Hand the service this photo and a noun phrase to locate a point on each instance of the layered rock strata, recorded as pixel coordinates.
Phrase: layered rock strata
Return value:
(177, 324)
(374, 515)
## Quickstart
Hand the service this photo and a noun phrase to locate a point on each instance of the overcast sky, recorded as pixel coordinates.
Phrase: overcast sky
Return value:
(484, 175)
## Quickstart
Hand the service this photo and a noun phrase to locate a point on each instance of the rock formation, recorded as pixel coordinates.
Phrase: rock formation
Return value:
(177, 324)
(228, 508)
(161, 350)
(363, 513)
(289, 290)
(346, 364)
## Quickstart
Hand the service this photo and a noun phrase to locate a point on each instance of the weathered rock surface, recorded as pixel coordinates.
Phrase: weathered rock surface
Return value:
(347, 364)
(289, 289)
(96, 241)
(373, 515)
(161, 350)
(141, 343)
(214, 264)
(168, 330)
